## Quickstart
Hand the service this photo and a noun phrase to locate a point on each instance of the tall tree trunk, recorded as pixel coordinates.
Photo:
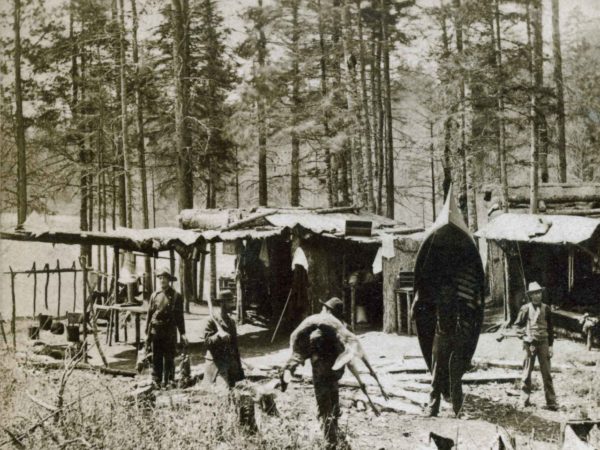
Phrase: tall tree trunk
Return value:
(124, 127)
(374, 109)
(533, 33)
(432, 164)
(262, 119)
(366, 149)
(497, 37)
(462, 198)
(141, 149)
(19, 121)
(295, 156)
(331, 186)
(560, 96)
(379, 110)
(85, 250)
(447, 181)
(185, 180)
(180, 18)
(389, 150)
(538, 77)
(353, 141)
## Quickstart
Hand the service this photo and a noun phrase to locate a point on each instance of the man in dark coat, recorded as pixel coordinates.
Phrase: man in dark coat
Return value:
(323, 347)
(538, 339)
(223, 363)
(165, 318)
(445, 364)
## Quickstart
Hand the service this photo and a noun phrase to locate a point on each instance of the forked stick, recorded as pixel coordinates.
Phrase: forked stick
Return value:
(374, 375)
(363, 388)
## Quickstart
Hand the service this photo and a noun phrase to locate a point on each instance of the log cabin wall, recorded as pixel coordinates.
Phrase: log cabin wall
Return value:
(405, 254)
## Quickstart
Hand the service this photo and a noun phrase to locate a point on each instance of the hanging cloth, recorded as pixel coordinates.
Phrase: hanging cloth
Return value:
(300, 259)
(264, 253)
(378, 261)
(127, 274)
(387, 246)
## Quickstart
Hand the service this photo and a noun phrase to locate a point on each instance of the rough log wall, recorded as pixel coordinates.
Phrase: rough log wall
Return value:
(405, 254)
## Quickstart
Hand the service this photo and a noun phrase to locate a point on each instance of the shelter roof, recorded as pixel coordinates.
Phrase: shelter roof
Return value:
(260, 223)
(222, 236)
(543, 229)
(144, 240)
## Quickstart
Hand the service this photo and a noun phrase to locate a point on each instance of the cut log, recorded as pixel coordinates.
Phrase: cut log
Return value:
(593, 212)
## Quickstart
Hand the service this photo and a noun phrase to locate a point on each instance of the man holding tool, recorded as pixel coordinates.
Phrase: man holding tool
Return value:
(223, 363)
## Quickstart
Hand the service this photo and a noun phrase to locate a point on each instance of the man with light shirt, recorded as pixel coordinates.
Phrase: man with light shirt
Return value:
(538, 338)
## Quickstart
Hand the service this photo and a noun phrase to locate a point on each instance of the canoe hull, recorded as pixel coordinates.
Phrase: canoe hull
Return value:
(448, 253)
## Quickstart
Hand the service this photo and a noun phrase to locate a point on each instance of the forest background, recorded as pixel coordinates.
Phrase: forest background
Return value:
(113, 109)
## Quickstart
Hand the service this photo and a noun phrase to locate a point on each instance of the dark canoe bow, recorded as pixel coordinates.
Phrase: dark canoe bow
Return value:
(448, 250)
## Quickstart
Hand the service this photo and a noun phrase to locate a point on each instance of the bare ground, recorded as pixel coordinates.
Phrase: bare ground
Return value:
(99, 416)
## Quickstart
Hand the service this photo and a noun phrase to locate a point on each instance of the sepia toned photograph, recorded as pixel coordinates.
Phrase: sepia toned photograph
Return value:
(300, 224)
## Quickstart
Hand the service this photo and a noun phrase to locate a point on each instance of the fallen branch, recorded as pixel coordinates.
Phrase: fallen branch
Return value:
(41, 403)
(81, 366)
(13, 438)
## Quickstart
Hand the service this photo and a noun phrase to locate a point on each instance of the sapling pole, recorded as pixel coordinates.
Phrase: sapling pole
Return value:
(59, 288)
(74, 286)
(13, 319)
(47, 269)
(34, 288)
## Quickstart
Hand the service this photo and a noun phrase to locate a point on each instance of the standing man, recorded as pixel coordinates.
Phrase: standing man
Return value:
(321, 344)
(538, 338)
(223, 365)
(446, 364)
(165, 317)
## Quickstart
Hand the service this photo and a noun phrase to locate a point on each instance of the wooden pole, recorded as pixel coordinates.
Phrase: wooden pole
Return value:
(353, 307)
(432, 157)
(83, 262)
(59, 289)
(34, 289)
(47, 269)
(115, 315)
(74, 287)
(505, 260)
(13, 320)
(238, 286)
(201, 276)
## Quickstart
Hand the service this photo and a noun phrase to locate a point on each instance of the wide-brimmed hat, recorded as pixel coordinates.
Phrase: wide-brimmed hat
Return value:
(225, 295)
(534, 287)
(335, 305)
(165, 273)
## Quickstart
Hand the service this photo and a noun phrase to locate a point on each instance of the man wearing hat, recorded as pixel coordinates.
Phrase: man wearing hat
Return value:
(323, 347)
(538, 338)
(223, 363)
(165, 318)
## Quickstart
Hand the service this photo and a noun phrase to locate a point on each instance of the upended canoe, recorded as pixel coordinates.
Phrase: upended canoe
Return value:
(448, 252)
